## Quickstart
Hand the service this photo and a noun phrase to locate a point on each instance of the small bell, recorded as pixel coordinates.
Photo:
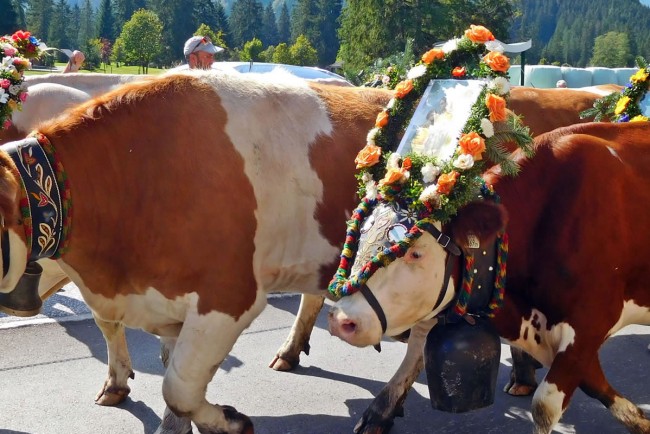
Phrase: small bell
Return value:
(24, 300)
(462, 361)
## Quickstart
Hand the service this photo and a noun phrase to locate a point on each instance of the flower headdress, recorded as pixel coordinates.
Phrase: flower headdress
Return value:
(623, 106)
(434, 190)
(15, 52)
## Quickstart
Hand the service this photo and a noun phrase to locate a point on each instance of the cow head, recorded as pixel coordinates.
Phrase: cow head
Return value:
(414, 286)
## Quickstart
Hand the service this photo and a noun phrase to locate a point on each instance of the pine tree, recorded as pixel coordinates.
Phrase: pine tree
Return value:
(328, 43)
(124, 9)
(19, 8)
(106, 21)
(58, 33)
(245, 21)
(39, 14)
(222, 23)
(8, 18)
(284, 24)
(205, 13)
(86, 24)
(179, 24)
(270, 35)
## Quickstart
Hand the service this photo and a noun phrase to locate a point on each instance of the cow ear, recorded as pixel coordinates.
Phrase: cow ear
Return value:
(480, 219)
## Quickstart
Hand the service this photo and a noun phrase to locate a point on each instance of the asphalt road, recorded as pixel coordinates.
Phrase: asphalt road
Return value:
(50, 370)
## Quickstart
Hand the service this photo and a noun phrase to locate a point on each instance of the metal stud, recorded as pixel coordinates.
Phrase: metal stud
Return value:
(491, 268)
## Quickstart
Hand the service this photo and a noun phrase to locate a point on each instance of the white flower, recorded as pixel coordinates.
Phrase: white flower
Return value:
(390, 104)
(370, 139)
(15, 89)
(4, 96)
(450, 45)
(495, 46)
(393, 161)
(429, 173)
(487, 127)
(417, 71)
(366, 177)
(464, 162)
(500, 85)
(430, 195)
(371, 190)
(385, 79)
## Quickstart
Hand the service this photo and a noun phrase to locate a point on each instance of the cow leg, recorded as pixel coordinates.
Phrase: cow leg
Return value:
(522, 375)
(288, 356)
(596, 385)
(115, 389)
(378, 417)
(170, 423)
(202, 345)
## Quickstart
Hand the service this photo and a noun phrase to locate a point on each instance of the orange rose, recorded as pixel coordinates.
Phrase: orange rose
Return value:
(382, 119)
(446, 182)
(433, 54)
(407, 164)
(403, 88)
(497, 61)
(479, 34)
(472, 144)
(393, 176)
(368, 156)
(459, 71)
(497, 107)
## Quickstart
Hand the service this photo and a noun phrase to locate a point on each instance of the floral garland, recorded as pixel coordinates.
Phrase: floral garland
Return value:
(435, 190)
(627, 107)
(15, 51)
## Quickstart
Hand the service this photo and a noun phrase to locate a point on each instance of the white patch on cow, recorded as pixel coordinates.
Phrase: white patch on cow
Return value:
(632, 313)
(547, 406)
(289, 117)
(551, 341)
(17, 262)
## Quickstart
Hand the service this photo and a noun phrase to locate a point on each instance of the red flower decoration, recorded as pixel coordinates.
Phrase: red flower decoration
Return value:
(459, 71)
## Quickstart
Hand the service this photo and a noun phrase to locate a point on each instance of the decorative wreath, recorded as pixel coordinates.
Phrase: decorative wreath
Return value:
(15, 51)
(431, 189)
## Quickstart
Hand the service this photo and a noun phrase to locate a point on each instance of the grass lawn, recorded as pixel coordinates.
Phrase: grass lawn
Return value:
(109, 70)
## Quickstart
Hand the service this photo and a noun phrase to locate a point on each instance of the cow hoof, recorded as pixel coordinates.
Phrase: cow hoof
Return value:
(111, 396)
(517, 389)
(372, 423)
(238, 423)
(282, 364)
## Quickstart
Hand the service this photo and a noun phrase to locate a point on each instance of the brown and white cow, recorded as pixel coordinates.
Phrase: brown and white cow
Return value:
(578, 219)
(193, 196)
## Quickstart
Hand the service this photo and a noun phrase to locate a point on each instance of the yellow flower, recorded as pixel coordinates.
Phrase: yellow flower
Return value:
(640, 76)
(639, 118)
(621, 105)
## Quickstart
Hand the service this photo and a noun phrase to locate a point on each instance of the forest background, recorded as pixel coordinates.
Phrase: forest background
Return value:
(355, 35)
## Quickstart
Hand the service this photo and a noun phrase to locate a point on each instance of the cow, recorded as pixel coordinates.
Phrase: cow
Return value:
(194, 195)
(577, 218)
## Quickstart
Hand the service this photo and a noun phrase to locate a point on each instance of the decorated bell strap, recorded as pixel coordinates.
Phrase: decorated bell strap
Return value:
(45, 207)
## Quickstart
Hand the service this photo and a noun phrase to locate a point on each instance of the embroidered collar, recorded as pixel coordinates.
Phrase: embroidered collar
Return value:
(45, 203)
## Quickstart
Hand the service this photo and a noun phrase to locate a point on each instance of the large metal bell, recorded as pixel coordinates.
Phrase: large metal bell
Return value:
(24, 299)
(462, 361)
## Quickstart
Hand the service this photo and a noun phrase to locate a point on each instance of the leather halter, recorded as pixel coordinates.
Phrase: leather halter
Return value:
(453, 251)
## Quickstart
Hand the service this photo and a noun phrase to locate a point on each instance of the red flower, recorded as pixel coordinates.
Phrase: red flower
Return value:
(459, 71)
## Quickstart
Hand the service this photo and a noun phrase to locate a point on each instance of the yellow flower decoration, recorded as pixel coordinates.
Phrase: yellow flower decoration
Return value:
(640, 76)
(639, 118)
(621, 105)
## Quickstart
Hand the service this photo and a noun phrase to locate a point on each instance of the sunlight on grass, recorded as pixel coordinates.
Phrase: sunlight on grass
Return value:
(109, 70)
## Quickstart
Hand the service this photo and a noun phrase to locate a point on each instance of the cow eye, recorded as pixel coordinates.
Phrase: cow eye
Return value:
(415, 254)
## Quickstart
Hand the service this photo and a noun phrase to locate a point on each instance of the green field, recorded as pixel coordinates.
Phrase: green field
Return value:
(109, 70)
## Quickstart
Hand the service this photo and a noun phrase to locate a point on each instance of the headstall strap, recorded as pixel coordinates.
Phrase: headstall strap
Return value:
(44, 207)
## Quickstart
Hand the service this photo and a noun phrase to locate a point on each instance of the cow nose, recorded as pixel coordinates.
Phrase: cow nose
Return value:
(343, 328)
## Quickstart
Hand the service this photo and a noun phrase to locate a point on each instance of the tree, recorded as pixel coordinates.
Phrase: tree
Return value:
(8, 18)
(142, 38)
(106, 21)
(284, 24)
(327, 44)
(245, 21)
(19, 8)
(282, 54)
(252, 51)
(39, 14)
(217, 38)
(117, 55)
(270, 35)
(302, 52)
(611, 50)
(124, 10)
(93, 52)
(58, 34)
(179, 23)
(86, 24)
